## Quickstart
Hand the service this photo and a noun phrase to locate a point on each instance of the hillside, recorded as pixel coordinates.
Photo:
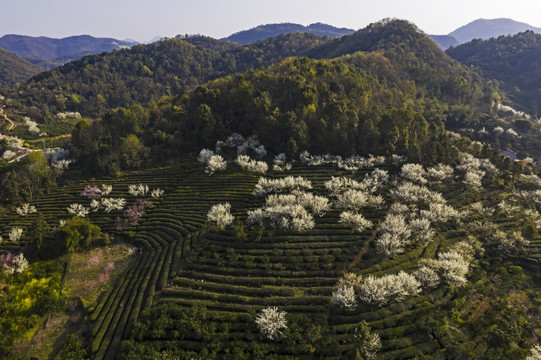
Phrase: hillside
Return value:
(490, 28)
(512, 60)
(264, 31)
(145, 73)
(14, 69)
(50, 52)
(171, 66)
(200, 222)
(387, 97)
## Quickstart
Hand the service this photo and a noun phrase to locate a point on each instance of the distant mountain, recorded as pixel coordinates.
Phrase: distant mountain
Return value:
(264, 31)
(515, 61)
(49, 52)
(444, 41)
(489, 28)
(14, 69)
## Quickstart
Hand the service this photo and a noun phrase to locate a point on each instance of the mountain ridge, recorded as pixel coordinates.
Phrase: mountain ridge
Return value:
(50, 52)
(489, 28)
(261, 32)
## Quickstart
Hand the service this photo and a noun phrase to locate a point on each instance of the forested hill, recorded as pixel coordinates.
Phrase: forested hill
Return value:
(264, 31)
(144, 73)
(14, 69)
(513, 60)
(414, 53)
(366, 102)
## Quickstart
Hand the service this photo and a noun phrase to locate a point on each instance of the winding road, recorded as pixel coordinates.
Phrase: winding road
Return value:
(6, 117)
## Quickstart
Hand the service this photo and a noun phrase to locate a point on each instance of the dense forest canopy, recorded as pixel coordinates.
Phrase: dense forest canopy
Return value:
(512, 60)
(379, 100)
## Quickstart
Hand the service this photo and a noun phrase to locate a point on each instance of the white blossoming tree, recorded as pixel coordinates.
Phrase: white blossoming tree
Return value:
(26, 209)
(414, 172)
(357, 221)
(389, 288)
(78, 210)
(535, 353)
(106, 189)
(157, 193)
(15, 234)
(344, 297)
(221, 215)
(215, 163)
(271, 322)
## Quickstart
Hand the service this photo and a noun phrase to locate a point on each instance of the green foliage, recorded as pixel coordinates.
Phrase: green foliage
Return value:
(72, 349)
(32, 294)
(78, 233)
(14, 69)
(513, 61)
(143, 73)
(38, 232)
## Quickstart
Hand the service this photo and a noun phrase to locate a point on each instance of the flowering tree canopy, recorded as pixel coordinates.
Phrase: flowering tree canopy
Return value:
(271, 322)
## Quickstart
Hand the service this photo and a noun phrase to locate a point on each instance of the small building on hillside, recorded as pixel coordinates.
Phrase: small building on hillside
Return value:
(508, 153)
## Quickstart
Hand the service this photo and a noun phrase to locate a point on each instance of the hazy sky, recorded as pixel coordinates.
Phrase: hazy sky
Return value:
(142, 20)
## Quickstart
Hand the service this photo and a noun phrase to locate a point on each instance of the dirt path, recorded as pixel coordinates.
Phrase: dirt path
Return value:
(6, 117)
(359, 256)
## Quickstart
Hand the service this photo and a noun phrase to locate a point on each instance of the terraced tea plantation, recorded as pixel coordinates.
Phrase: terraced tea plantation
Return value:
(195, 290)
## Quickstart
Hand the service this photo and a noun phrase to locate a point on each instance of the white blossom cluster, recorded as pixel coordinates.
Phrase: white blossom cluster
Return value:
(221, 215)
(394, 235)
(440, 173)
(535, 353)
(213, 162)
(315, 160)
(417, 174)
(13, 143)
(287, 217)
(108, 204)
(242, 145)
(355, 162)
(26, 209)
(68, 114)
(32, 126)
(317, 204)
(157, 193)
(451, 267)
(398, 160)
(498, 130)
(475, 169)
(58, 158)
(508, 242)
(61, 164)
(509, 109)
(280, 164)
(138, 190)
(414, 173)
(352, 163)
(251, 165)
(78, 210)
(106, 189)
(412, 220)
(357, 199)
(345, 294)
(289, 183)
(17, 265)
(15, 234)
(271, 322)
(55, 154)
(412, 194)
(389, 288)
(357, 221)
(532, 180)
